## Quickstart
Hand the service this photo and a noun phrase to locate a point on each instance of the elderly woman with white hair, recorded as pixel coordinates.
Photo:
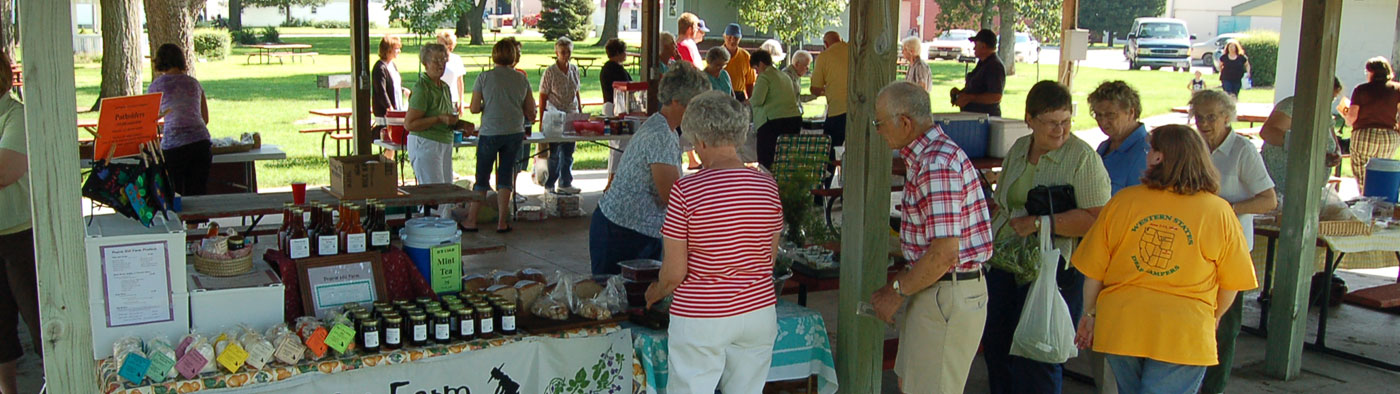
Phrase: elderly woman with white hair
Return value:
(627, 223)
(913, 51)
(559, 91)
(721, 234)
(716, 59)
(800, 65)
(1245, 183)
(430, 119)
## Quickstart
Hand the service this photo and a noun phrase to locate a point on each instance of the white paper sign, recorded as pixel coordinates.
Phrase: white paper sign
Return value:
(338, 285)
(136, 284)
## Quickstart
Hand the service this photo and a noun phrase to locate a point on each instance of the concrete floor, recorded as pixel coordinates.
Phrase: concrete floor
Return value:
(562, 244)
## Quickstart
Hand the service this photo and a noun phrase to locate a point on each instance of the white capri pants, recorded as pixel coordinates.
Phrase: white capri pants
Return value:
(432, 164)
(732, 353)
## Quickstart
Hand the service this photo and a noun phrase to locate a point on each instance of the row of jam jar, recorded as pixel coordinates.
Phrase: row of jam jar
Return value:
(391, 326)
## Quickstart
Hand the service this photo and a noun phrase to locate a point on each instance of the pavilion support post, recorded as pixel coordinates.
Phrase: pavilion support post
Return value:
(53, 176)
(651, 34)
(866, 169)
(1312, 120)
(1069, 20)
(360, 82)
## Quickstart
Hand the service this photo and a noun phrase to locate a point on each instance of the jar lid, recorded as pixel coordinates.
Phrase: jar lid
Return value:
(508, 306)
(393, 319)
(441, 313)
(417, 315)
(370, 323)
(432, 227)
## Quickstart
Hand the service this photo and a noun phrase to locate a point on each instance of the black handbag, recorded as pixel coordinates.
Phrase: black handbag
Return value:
(1050, 200)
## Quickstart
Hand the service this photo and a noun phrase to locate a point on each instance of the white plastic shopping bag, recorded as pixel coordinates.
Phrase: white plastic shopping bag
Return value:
(552, 125)
(1046, 330)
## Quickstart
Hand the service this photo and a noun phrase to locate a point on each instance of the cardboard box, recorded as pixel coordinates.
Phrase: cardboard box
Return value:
(363, 176)
(123, 258)
(255, 299)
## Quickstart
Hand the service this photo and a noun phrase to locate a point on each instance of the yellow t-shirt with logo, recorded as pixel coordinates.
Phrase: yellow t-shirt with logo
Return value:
(1162, 258)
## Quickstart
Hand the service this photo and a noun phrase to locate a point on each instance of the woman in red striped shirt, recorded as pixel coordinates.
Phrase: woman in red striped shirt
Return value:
(721, 233)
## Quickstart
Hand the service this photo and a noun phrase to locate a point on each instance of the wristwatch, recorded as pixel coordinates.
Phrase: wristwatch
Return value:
(895, 286)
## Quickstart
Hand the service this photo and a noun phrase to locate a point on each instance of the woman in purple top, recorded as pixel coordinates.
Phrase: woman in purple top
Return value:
(186, 112)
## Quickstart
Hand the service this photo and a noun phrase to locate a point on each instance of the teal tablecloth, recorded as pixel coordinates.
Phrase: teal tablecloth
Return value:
(801, 350)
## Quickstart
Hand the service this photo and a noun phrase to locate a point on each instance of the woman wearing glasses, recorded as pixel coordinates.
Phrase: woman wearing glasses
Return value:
(1244, 183)
(1116, 109)
(1050, 156)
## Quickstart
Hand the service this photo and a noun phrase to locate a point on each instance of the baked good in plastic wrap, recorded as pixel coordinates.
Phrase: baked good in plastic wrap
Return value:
(305, 327)
(258, 347)
(124, 347)
(279, 333)
(529, 291)
(505, 291)
(532, 274)
(224, 341)
(201, 344)
(606, 303)
(160, 344)
(556, 304)
(505, 278)
(476, 282)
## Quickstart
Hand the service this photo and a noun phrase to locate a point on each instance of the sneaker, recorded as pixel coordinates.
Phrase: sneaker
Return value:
(568, 190)
(519, 199)
(549, 190)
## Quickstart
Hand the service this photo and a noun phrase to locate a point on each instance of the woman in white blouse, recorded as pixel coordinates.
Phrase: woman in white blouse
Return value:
(1245, 183)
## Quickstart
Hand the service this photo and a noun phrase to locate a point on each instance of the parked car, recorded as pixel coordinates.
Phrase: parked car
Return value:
(1027, 48)
(1208, 51)
(953, 44)
(1159, 42)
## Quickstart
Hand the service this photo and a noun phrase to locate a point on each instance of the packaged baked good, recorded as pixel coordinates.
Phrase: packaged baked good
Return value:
(529, 291)
(505, 278)
(124, 347)
(507, 292)
(587, 288)
(532, 274)
(476, 282)
(591, 309)
(550, 308)
(161, 345)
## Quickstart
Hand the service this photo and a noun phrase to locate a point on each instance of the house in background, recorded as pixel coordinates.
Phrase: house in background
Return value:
(1209, 18)
(1369, 28)
(87, 28)
(333, 11)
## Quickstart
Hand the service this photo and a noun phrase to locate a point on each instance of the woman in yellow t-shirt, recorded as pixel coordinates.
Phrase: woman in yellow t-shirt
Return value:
(1163, 263)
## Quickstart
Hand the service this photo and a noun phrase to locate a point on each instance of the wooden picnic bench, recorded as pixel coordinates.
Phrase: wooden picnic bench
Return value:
(340, 134)
(265, 53)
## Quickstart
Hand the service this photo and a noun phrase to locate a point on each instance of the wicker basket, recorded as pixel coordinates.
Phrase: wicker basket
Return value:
(219, 267)
(1343, 228)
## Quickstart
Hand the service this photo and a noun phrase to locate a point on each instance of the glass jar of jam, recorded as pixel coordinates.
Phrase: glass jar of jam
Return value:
(368, 335)
(380, 307)
(485, 321)
(422, 300)
(418, 329)
(431, 304)
(449, 298)
(466, 323)
(507, 318)
(393, 331)
(442, 326)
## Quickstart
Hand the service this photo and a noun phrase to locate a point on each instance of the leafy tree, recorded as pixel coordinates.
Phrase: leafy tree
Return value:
(1040, 18)
(285, 6)
(791, 21)
(420, 16)
(1116, 16)
(559, 18)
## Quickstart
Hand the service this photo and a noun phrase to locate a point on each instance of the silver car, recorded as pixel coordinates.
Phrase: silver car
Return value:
(1207, 52)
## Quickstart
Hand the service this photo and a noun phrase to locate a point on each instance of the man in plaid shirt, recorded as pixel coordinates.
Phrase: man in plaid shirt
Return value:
(947, 234)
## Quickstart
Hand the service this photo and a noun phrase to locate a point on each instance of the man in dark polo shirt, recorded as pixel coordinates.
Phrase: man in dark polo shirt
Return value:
(982, 91)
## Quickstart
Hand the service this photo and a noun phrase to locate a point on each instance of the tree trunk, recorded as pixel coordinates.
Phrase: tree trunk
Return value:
(8, 29)
(986, 16)
(235, 14)
(1110, 40)
(610, 20)
(121, 50)
(475, 22)
(1006, 50)
(172, 22)
(463, 26)
(287, 11)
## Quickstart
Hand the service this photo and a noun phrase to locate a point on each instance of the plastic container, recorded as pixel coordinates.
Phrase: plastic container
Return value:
(394, 125)
(641, 270)
(969, 130)
(420, 235)
(1383, 179)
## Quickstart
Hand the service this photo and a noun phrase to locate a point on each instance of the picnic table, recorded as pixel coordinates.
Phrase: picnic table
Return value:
(232, 172)
(578, 60)
(534, 138)
(266, 52)
(482, 61)
(1244, 112)
(340, 133)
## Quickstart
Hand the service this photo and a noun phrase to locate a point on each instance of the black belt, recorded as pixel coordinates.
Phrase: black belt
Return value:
(966, 275)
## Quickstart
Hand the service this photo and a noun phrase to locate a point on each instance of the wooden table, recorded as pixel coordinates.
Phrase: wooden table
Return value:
(1244, 112)
(232, 173)
(256, 206)
(268, 51)
(578, 60)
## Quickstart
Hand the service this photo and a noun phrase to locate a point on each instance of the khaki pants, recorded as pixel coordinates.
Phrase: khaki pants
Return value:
(939, 332)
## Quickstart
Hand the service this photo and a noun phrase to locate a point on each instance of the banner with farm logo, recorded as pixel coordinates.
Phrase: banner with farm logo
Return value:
(580, 365)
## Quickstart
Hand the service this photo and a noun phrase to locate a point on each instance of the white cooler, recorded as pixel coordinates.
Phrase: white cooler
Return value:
(1002, 133)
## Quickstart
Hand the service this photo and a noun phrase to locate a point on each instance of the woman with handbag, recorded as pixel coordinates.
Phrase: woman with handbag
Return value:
(1163, 263)
(1046, 173)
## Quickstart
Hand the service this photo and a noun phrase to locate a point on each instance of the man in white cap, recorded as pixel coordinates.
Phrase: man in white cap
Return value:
(741, 74)
(691, 30)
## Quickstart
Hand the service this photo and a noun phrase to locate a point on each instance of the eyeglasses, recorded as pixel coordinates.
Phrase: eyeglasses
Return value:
(1064, 125)
(1209, 118)
(1104, 115)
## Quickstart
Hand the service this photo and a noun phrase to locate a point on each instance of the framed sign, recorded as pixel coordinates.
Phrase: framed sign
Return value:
(332, 281)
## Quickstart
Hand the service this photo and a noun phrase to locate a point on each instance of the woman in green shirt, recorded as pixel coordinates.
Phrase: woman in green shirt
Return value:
(1050, 156)
(19, 291)
(430, 120)
(775, 109)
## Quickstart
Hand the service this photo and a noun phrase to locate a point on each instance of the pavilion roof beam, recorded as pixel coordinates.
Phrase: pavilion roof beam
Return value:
(360, 79)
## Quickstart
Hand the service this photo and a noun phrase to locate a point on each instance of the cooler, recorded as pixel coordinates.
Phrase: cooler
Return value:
(1002, 133)
(967, 129)
(1383, 179)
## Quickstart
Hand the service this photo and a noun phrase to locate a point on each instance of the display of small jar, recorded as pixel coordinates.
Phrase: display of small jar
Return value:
(359, 318)
(401, 303)
(422, 300)
(507, 317)
(449, 298)
(393, 331)
(466, 323)
(382, 307)
(442, 326)
(368, 335)
(431, 304)
(418, 329)
(485, 321)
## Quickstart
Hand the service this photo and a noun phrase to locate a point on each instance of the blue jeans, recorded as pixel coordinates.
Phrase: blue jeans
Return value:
(1139, 375)
(561, 165)
(609, 244)
(500, 151)
(1232, 86)
(1005, 300)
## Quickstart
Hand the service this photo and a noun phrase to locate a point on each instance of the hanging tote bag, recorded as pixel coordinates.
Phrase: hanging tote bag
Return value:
(1046, 331)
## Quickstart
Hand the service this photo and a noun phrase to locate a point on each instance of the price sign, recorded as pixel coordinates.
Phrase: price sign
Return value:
(134, 368)
(340, 337)
(317, 342)
(259, 353)
(185, 344)
(160, 366)
(233, 357)
(447, 268)
(289, 351)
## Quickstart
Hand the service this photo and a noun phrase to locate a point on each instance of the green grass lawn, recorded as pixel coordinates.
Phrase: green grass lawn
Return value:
(274, 99)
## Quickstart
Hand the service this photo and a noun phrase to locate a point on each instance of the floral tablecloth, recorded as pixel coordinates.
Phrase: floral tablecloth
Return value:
(801, 350)
(110, 383)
